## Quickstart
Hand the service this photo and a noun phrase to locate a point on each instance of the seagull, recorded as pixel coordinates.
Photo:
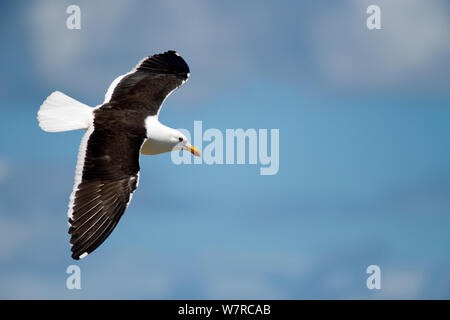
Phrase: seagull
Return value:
(117, 131)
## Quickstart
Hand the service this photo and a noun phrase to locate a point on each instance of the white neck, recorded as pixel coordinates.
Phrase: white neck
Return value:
(158, 137)
(155, 129)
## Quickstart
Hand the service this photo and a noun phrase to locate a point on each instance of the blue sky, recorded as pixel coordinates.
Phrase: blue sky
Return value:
(364, 151)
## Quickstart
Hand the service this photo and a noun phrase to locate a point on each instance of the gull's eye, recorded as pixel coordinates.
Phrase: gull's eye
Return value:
(180, 139)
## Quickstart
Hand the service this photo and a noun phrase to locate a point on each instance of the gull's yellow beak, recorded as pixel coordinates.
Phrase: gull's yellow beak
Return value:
(194, 151)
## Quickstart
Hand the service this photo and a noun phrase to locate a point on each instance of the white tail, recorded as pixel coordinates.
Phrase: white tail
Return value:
(60, 112)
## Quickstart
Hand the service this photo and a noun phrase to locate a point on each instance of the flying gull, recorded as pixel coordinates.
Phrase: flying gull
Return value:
(117, 131)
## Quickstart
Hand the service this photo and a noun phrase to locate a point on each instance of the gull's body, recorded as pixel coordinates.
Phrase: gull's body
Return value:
(117, 131)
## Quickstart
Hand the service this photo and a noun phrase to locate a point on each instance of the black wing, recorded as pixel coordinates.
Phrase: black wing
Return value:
(107, 175)
(147, 85)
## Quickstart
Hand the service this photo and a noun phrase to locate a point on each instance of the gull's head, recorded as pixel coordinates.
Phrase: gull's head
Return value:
(161, 139)
(180, 142)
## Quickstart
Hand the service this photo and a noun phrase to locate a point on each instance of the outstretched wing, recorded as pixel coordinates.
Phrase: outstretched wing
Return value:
(108, 160)
(107, 174)
(150, 82)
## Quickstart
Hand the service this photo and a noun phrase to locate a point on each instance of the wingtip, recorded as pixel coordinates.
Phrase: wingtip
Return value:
(79, 256)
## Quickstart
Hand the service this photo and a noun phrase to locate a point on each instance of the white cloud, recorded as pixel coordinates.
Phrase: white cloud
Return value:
(229, 45)
(412, 42)
(56, 46)
(402, 284)
(69, 55)
(110, 44)
(248, 276)
(13, 235)
(238, 286)
(28, 286)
